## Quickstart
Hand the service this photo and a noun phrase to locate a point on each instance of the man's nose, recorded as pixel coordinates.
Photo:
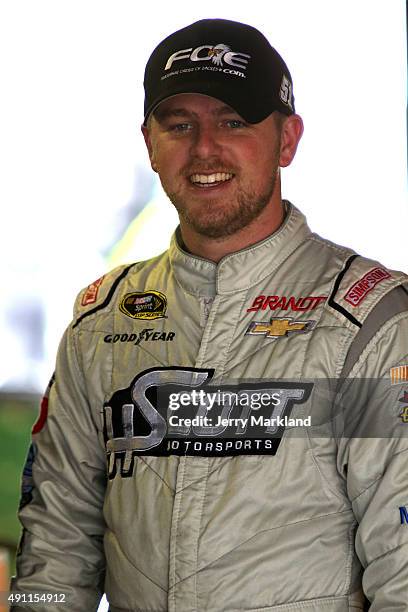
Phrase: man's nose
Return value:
(206, 142)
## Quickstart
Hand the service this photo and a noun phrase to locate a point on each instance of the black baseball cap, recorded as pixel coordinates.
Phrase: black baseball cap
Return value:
(227, 60)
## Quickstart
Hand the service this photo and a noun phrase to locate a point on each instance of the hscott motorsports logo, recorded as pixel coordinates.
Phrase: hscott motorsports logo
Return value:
(174, 411)
(221, 56)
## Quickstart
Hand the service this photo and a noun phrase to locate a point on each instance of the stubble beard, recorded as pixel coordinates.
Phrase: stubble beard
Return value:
(213, 222)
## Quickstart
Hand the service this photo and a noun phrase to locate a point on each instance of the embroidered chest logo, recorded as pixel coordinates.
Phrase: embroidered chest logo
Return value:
(146, 335)
(278, 327)
(147, 305)
(277, 302)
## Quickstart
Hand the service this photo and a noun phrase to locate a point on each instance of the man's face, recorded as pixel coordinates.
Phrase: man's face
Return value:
(218, 170)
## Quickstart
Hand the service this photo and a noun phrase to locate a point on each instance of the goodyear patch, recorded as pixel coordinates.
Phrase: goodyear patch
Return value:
(146, 335)
(145, 305)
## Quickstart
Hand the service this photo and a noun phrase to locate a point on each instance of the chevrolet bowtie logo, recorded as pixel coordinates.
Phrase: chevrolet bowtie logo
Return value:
(279, 327)
(404, 415)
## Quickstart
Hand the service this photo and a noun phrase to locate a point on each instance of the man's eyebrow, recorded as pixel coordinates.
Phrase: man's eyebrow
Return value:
(166, 113)
(225, 110)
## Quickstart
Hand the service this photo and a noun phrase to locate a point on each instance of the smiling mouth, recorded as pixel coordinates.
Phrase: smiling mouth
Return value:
(210, 180)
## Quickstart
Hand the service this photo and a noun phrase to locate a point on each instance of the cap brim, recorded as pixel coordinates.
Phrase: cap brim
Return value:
(250, 111)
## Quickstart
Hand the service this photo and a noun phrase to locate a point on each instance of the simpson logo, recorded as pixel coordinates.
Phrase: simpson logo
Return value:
(91, 294)
(279, 327)
(399, 374)
(356, 294)
(218, 54)
(147, 305)
(276, 302)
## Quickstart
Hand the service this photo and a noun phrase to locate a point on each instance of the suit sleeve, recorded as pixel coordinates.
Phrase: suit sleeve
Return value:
(61, 550)
(373, 457)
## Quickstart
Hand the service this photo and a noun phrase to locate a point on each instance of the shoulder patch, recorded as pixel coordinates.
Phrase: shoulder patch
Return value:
(91, 293)
(360, 286)
(360, 289)
(106, 295)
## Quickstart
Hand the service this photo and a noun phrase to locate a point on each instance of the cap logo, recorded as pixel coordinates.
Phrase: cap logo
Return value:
(218, 54)
(285, 92)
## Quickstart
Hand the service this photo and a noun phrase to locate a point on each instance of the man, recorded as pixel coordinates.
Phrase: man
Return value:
(228, 417)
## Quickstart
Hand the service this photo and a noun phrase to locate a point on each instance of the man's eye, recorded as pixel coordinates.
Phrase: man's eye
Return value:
(235, 123)
(180, 127)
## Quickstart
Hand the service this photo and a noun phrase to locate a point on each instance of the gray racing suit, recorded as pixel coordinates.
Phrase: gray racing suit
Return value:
(191, 518)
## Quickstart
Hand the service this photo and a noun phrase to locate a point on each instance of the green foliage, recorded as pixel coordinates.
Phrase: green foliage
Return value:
(16, 420)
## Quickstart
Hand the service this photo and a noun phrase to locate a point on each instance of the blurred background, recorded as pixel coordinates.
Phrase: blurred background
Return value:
(77, 193)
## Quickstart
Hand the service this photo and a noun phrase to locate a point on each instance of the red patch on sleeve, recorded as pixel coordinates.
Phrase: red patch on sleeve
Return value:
(91, 294)
(40, 422)
(356, 294)
(42, 417)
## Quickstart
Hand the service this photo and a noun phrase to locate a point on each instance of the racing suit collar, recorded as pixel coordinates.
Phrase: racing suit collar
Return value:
(243, 269)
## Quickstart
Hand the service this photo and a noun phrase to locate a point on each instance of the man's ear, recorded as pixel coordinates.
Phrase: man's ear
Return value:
(147, 139)
(292, 130)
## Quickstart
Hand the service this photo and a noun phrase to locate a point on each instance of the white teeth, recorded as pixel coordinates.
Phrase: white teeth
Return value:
(217, 177)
